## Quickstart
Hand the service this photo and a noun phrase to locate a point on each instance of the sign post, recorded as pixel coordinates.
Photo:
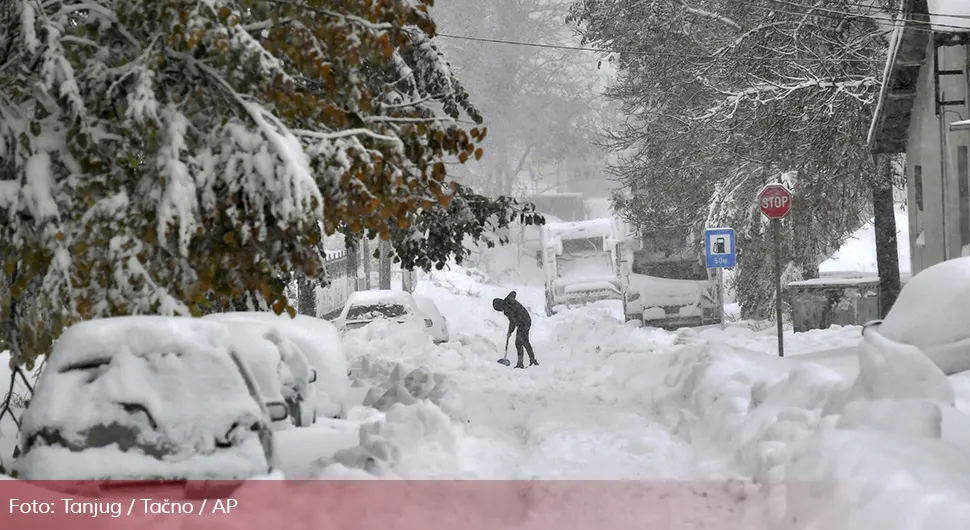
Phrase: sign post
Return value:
(720, 253)
(774, 200)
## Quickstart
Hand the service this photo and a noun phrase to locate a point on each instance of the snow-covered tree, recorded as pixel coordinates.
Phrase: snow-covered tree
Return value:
(724, 96)
(162, 156)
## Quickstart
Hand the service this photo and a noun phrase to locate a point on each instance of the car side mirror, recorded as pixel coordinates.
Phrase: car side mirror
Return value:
(277, 411)
(313, 375)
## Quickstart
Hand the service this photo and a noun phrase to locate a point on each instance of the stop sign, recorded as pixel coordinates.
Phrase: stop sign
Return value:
(774, 200)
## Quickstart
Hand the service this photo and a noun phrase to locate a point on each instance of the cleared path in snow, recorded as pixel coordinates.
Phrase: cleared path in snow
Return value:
(560, 419)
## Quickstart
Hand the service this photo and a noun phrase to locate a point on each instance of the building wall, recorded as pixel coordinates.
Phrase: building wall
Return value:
(938, 196)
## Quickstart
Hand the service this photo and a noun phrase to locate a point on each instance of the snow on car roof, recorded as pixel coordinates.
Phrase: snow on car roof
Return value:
(379, 296)
(177, 368)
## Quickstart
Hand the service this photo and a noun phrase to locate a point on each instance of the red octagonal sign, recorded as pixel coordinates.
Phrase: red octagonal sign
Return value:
(774, 200)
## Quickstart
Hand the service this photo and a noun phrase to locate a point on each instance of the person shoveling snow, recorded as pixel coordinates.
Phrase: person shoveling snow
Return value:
(520, 322)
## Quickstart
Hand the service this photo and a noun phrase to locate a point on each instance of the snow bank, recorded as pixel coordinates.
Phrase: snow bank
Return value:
(401, 427)
(875, 452)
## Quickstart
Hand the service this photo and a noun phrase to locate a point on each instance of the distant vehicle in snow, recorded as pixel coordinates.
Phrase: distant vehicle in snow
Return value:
(569, 207)
(365, 307)
(439, 329)
(581, 261)
(667, 285)
(318, 342)
(145, 397)
(555, 207)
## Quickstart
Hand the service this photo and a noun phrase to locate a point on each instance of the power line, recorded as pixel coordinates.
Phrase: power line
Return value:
(648, 54)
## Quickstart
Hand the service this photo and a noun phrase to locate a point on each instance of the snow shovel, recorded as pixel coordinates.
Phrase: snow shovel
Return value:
(504, 361)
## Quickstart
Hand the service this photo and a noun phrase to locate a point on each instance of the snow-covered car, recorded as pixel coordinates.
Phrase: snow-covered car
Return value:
(145, 397)
(439, 329)
(280, 373)
(365, 307)
(930, 313)
(319, 341)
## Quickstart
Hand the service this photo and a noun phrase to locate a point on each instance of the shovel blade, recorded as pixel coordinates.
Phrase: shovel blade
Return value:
(504, 362)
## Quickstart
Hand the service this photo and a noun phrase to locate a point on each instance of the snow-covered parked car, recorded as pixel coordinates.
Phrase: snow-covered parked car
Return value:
(365, 307)
(145, 397)
(439, 329)
(281, 373)
(320, 344)
(279, 366)
(931, 314)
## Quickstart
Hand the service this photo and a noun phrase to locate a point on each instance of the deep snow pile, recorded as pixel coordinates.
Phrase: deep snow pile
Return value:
(887, 450)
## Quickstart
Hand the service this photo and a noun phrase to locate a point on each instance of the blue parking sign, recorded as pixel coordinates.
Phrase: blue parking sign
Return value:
(719, 249)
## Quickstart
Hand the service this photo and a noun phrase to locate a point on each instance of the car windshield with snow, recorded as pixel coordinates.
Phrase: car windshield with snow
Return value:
(376, 311)
(135, 398)
(365, 307)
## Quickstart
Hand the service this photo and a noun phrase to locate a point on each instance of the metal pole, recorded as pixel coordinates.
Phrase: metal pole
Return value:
(776, 228)
(720, 295)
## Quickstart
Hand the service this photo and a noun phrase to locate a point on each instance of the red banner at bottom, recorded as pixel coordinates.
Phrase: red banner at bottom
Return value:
(404, 505)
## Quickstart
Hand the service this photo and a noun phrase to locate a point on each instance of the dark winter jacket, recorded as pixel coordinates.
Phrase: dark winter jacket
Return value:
(517, 314)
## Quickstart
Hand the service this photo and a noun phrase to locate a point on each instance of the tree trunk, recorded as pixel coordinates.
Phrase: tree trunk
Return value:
(385, 270)
(367, 261)
(353, 255)
(306, 297)
(887, 255)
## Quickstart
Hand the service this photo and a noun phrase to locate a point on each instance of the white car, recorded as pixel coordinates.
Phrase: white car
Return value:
(439, 328)
(319, 341)
(364, 307)
(146, 397)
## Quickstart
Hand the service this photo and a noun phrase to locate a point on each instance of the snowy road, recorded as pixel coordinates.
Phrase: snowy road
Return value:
(559, 420)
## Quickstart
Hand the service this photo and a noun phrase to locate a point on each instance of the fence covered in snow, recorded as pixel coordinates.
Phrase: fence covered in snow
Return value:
(330, 299)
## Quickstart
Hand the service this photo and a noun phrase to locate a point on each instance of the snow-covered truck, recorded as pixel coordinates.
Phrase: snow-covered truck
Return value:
(667, 284)
(582, 261)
